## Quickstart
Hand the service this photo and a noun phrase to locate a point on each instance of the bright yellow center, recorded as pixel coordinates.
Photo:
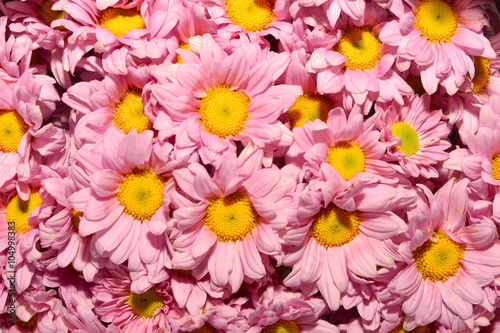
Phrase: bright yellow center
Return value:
(184, 46)
(439, 258)
(408, 136)
(75, 219)
(30, 324)
(495, 163)
(18, 211)
(120, 20)
(223, 112)
(334, 227)
(361, 48)
(47, 15)
(420, 329)
(347, 158)
(231, 217)
(146, 304)
(141, 194)
(205, 329)
(415, 82)
(282, 326)
(308, 108)
(436, 20)
(481, 75)
(130, 113)
(12, 129)
(252, 15)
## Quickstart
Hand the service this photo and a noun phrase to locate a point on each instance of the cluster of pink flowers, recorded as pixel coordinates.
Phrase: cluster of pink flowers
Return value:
(275, 166)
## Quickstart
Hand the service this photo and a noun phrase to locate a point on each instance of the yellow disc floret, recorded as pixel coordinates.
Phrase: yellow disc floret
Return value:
(141, 194)
(30, 324)
(47, 15)
(408, 136)
(145, 304)
(223, 112)
(18, 211)
(75, 219)
(130, 113)
(481, 75)
(361, 48)
(232, 217)
(282, 326)
(439, 258)
(12, 129)
(334, 226)
(252, 15)
(495, 166)
(309, 107)
(436, 20)
(121, 20)
(347, 158)
(184, 46)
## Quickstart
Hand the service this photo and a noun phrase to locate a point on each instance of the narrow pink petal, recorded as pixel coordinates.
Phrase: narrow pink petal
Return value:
(218, 265)
(106, 182)
(311, 263)
(455, 303)
(250, 259)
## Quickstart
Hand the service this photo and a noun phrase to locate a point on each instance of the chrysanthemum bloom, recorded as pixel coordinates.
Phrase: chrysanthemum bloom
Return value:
(341, 238)
(225, 98)
(149, 311)
(440, 37)
(418, 137)
(126, 33)
(289, 312)
(82, 318)
(227, 225)
(126, 208)
(346, 146)
(23, 108)
(448, 264)
(354, 62)
(114, 102)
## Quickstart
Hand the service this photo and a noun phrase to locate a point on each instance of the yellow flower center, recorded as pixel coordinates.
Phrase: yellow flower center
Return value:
(120, 20)
(415, 82)
(439, 258)
(223, 112)
(205, 329)
(47, 15)
(408, 136)
(436, 20)
(12, 129)
(231, 217)
(130, 113)
(146, 304)
(309, 107)
(18, 211)
(334, 226)
(30, 324)
(361, 48)
(495, 163)
(252, 15)
(184, 46)
(75, 219)
(282, 326)
(141, 194)
(420, 329)
(481, 75)
(347, 158)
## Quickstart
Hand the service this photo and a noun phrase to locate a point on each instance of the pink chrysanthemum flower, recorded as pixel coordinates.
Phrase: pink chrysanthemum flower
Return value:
(346, 146)
(126, 208)
(440, 36)
(354, 62)
(83, 318)
(227, 98)
(448, 264)
(341, 239)
(418, 137)
(150, 311)
(227, 226)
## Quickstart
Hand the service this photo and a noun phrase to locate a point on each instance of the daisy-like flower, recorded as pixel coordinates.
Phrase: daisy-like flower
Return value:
(440, 37)
(227, 98)
(341, 239)
(227, 226)
(448, 264)
(353, 61)
(418, 136)
(127, 208)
